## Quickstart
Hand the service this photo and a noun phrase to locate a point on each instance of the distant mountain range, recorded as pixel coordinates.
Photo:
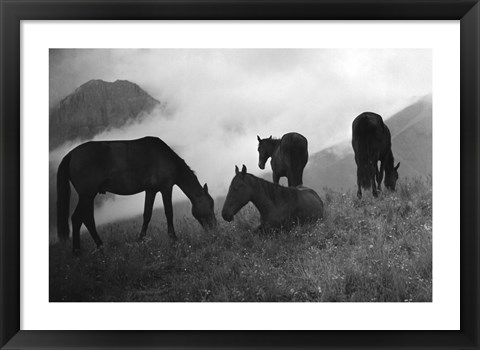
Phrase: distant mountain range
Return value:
(95, 107)
(411, 130)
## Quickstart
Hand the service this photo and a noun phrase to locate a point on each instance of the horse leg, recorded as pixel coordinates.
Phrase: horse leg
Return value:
(77, 220)
(359, 191)
(147, 212)
(167, 205)
(300, 177)
(290, 180)
(89, 220)
(276, 177)
(374, 185)
(380, 176)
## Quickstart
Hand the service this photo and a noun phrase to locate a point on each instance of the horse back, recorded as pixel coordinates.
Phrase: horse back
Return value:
(309, 203)
(116, 155)
(370, 136)
(123, 167)
(294, 141)
(293, 150)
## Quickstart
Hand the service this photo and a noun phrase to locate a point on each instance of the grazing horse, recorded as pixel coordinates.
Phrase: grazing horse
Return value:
(371, 141)
(279, 206)
(289, 156)
(126, 168)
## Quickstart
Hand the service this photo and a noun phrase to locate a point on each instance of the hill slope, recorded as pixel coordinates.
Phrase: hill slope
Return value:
(373, 250)
(96, 106)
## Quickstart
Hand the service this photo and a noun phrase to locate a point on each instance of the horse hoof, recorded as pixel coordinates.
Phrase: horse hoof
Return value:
(76, 252)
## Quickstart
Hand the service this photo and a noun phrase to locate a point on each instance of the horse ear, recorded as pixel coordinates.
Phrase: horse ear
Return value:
(244, 169)
(205, 188)
(270, 137)
(258, 138)
(236, 170)
(396, 168)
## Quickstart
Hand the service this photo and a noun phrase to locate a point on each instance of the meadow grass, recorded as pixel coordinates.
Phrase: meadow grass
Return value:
(368, 250)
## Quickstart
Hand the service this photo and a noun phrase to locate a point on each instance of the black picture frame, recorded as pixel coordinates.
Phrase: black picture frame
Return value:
(13, 12)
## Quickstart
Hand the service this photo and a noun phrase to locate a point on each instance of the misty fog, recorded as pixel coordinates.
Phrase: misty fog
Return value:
(219, 100)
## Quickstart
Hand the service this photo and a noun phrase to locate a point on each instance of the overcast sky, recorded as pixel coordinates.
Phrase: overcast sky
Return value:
(220, 99)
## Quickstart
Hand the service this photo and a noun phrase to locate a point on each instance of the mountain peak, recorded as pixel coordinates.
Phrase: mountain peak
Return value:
(94, 81)
(99, 83)
(95, 106)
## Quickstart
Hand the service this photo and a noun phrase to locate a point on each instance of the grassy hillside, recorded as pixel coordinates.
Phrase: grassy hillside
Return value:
(369, 250)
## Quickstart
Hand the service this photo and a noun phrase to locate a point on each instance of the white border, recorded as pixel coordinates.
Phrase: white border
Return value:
(38, 36)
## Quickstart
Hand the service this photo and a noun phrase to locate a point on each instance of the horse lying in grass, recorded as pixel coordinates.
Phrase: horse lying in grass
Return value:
(126, 168)
(279, 206)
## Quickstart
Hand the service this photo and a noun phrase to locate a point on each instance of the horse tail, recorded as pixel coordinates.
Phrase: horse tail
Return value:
(63, 198)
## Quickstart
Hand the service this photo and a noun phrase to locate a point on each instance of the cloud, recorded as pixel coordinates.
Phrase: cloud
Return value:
(219, 100)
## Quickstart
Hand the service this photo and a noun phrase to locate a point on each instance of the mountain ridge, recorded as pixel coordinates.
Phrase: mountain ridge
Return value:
(96, 106)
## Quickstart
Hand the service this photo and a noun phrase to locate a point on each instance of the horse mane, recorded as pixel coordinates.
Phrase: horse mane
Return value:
(272, 140)
(185, 172)
(277, 193)
(272, 143)
(276, 140)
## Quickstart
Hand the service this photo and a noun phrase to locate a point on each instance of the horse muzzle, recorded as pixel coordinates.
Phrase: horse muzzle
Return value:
(261, 166)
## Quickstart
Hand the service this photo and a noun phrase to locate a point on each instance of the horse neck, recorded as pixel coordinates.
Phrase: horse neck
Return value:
(188, 183)
(275, 144)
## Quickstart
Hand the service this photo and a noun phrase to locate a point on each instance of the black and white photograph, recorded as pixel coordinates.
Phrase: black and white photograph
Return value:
(240, 175)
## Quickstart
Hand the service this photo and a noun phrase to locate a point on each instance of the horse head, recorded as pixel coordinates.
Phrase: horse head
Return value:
(391, 177)
(202, 209)
(238, 195)
(265, 150)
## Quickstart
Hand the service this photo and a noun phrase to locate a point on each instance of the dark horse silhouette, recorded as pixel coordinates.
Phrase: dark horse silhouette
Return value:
(279, 206)
(371, 141)
(126, 168)
(289, 156)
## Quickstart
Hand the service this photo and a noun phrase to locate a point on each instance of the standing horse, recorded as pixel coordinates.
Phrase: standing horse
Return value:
(126, 168)
(371, 141)
(279, 206)
(289, 156)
